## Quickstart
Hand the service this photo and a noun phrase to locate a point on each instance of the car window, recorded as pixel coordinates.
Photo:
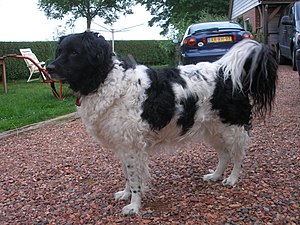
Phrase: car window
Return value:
(297, 10)
(209, 26)
(293, 13)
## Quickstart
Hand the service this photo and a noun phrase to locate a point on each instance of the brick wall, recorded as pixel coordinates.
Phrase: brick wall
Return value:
(253, 16)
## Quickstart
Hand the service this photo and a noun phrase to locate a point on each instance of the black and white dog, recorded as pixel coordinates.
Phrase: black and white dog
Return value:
(136, 110)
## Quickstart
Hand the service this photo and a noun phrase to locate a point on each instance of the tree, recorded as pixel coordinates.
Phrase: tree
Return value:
(170, 14)
(89, 9)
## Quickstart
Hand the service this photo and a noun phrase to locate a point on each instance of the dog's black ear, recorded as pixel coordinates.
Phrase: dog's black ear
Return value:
(98, 56)
(99, 50)
(58, 43)
(61, 38)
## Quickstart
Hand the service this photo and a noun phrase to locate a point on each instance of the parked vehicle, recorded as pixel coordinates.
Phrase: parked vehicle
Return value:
(298, 62)
(289, 34)
(210, 41)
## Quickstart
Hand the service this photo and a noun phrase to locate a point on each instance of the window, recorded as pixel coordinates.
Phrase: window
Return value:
(247, 25)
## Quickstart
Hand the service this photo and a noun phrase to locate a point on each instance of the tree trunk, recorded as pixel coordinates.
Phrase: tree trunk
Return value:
(89, 21)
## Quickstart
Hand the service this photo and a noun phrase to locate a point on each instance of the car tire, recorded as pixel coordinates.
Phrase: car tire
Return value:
(294, 65)
(280, 59)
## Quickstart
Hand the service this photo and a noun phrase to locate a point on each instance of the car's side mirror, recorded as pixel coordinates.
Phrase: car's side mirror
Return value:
(285, 20)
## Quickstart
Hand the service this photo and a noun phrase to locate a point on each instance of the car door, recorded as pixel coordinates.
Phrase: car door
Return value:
(286, 33)
(291, 31)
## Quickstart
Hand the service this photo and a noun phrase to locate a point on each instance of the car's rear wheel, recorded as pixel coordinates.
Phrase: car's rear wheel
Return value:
(294, 64)
(280, 59)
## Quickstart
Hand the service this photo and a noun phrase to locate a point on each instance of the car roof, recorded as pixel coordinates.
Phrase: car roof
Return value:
(206, 25)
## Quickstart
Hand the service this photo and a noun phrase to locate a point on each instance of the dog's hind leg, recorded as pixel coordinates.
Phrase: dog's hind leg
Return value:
(237, 153)
(230, 145)
(237, 156)
(223, 157)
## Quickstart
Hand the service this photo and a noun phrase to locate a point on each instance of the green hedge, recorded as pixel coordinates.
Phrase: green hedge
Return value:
(148, 52)
(144, 52)
(16, 68)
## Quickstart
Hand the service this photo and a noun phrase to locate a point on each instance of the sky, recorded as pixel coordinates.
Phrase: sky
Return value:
(21, 20)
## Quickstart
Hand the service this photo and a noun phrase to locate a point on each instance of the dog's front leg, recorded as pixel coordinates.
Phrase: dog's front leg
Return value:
(126, 193)
(131, 166)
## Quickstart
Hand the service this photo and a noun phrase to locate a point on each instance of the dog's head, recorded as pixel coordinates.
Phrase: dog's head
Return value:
(83, 60)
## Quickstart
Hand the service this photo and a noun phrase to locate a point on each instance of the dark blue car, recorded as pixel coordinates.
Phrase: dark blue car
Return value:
(289, 35)
(210, 41)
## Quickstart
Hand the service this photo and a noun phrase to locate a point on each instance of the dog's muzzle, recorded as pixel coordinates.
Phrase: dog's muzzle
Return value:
(50, 69)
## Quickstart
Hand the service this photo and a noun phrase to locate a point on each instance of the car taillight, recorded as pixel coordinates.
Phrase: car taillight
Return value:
(247, 36)
(234, 37)
(190, 41)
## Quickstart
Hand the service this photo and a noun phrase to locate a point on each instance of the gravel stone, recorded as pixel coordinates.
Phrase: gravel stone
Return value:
(57, 174)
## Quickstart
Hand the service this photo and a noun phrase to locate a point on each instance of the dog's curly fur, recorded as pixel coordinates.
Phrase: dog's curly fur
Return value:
(136, 110)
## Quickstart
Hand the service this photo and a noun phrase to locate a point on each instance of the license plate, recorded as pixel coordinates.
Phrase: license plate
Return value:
(220, 39)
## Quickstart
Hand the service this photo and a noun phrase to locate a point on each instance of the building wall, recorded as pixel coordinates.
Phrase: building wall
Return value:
(239, 7)
(277, 1)
(253, 16)
(248, 10)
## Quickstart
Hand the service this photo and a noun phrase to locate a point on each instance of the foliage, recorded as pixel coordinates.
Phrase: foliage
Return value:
(170, 14)
(149, 52)
(89, 9)
(203, 16)
(245, 24)
(16, 68)
(27, 103)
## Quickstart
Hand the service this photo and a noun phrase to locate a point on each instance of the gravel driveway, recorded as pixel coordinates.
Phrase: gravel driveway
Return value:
(57, 174)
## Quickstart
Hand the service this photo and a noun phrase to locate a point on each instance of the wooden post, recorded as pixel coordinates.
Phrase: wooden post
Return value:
(265, 26)
(2, 63)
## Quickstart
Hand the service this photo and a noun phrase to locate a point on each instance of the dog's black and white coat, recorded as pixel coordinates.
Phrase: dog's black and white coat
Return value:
(136, 110)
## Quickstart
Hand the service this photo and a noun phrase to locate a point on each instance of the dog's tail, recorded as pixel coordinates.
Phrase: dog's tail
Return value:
(252, 68)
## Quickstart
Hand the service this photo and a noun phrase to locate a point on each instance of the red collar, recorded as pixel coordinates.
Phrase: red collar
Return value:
(77, 103)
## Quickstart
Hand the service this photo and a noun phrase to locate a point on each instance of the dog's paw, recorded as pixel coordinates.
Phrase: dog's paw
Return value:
(230, 181)
(131, 209)
(211, 177)
(122, 195)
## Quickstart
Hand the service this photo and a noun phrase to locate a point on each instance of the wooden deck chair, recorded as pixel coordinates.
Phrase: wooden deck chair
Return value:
(32, 68)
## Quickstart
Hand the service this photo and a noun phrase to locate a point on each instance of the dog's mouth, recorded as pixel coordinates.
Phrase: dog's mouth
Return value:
(52, 71)
(55, 76)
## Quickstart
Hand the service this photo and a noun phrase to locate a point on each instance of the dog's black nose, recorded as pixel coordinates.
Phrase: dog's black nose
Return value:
(50, 68)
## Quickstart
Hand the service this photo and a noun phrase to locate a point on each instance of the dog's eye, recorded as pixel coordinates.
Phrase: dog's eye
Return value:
(74, 53)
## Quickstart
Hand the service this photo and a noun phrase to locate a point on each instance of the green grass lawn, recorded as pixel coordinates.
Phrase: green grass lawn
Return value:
(28, 103)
